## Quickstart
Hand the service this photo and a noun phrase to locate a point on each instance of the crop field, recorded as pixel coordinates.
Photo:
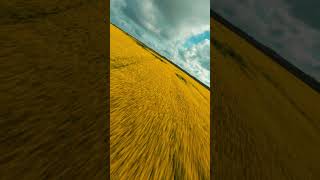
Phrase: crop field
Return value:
(159, 116)
(266, 121)
(53, 106)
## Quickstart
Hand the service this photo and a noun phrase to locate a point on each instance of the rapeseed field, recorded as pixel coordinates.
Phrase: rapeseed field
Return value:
(266, 121)
(159, 116)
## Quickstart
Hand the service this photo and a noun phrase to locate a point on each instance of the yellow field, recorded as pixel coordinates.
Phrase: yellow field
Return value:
(267, 122)
(53, 92)
(159, 116)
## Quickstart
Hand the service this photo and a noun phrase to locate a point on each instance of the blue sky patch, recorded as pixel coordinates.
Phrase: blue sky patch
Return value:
(197, 39)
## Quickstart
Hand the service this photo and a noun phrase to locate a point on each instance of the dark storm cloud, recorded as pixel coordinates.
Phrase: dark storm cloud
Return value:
(289, 27)
(306, 11)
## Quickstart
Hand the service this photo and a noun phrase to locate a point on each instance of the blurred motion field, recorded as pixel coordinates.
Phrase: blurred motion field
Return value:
(159, 116)
(53, 107)
(266, 121)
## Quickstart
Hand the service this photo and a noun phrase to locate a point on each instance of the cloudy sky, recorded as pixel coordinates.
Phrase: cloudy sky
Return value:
(290, 27)
(177, 29)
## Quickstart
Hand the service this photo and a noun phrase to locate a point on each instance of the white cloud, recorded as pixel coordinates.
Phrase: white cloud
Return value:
(196, 61)
(165, 25)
